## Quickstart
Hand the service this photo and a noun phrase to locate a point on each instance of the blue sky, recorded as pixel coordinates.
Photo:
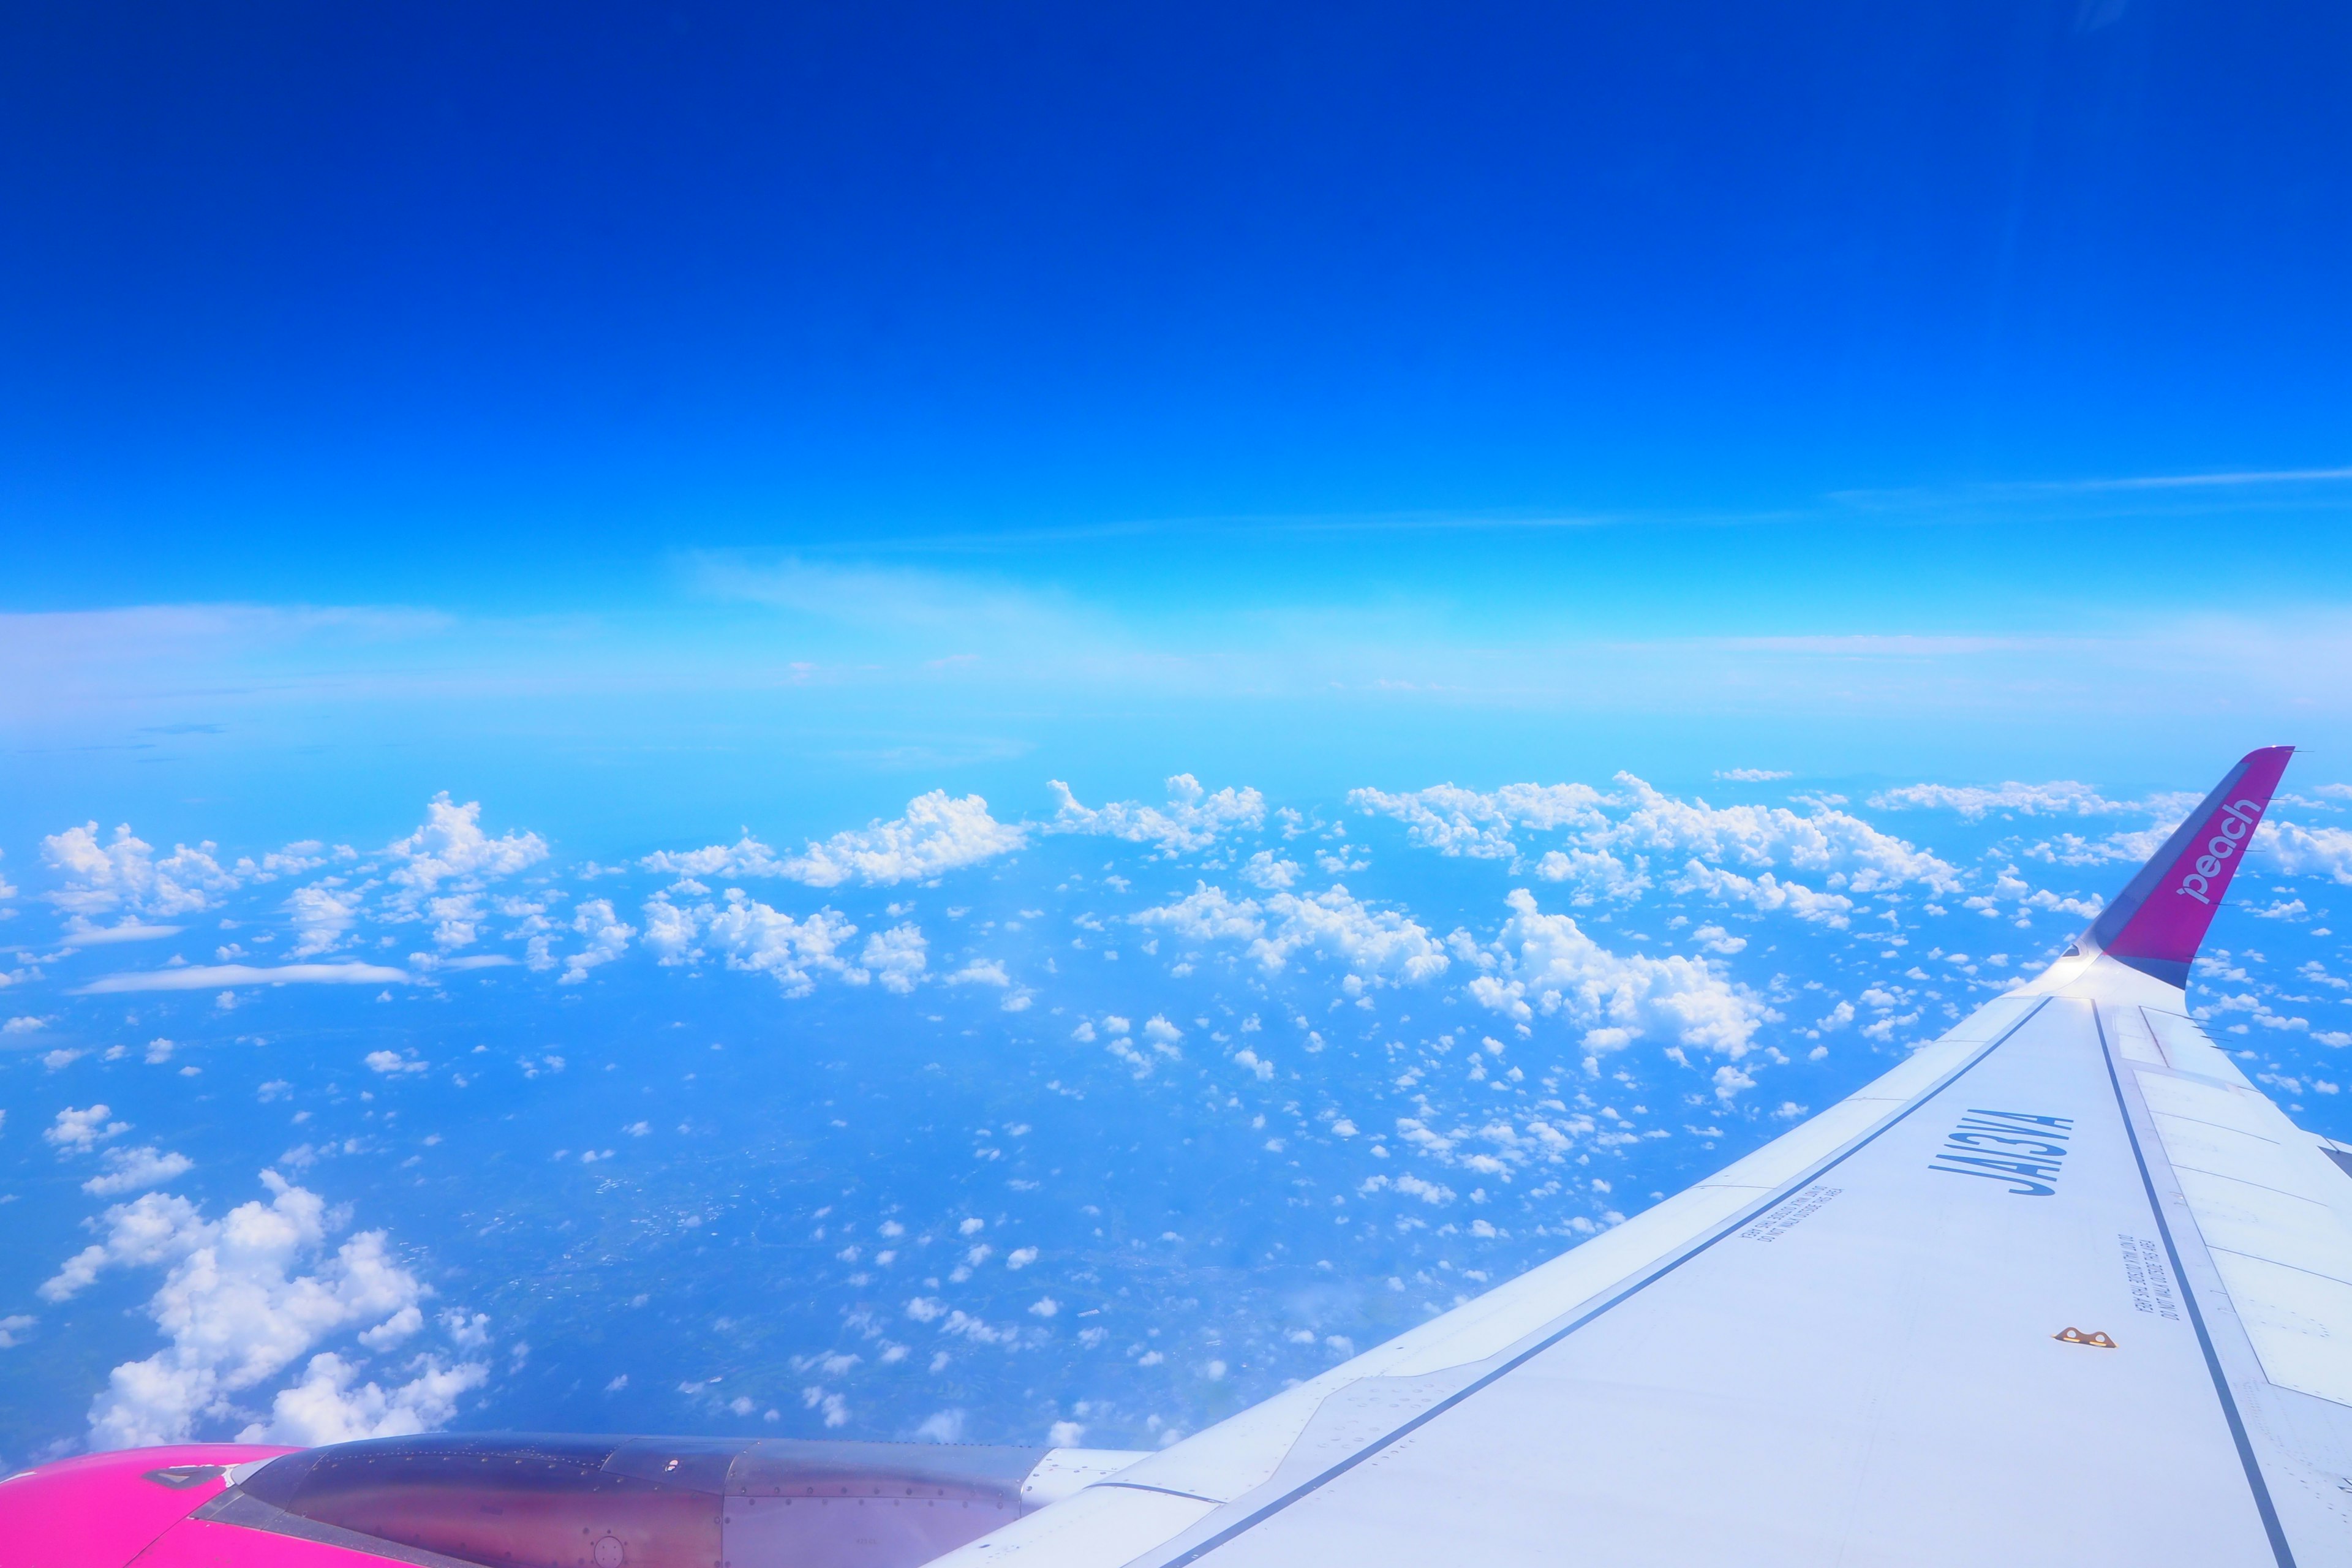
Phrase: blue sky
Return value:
(764, 410)
(496, 310)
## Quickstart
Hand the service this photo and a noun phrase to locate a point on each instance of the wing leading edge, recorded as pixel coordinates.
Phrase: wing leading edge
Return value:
(2063, 1288)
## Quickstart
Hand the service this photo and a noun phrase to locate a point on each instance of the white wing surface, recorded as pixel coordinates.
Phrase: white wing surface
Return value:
(2063, 1288)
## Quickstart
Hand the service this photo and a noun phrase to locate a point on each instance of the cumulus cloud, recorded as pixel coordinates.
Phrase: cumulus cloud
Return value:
(1547, 967)
(79, 1131)
(896, 957)
(939, 834)
(206, 976)
(1270, 871)
(308, 854)
(1850, 854)
(451, 848)
(1592, 875)
(747, 934)
(392, 1064)
(121, 875)
(1613, 836)
(1456, 821)
(1372, 944)
(135, 1170)
(2059, 797)
(1766, 893)
(323, 915)
(1192, 818)
(2301, 851)
(608, 938)
(243, 1296)
(330, 1405)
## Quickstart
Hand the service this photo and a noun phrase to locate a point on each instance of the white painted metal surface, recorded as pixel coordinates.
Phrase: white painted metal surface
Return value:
(2063, 1288)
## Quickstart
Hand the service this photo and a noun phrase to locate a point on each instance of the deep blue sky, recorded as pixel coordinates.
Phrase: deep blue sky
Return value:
(1219, 352)
(285, 278)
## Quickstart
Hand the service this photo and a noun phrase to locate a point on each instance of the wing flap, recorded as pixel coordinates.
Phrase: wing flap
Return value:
(2296, 1321)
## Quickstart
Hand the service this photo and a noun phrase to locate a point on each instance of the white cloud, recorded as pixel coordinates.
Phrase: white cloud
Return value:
(243, 1296)
(24, 1024)
(293, 860)
(78, 1131)
(1206, 915)
(456, 920)
(608, 938)
(2059, 797)
(942, 1427)
(392, 1064)
(1270, 871)
(79, 934)
(1852, 855)
(325, 1406)
(204, 976)
(1383, 944)
(896, 957)
(1456, 821)
(1192, 818)
(1766, 893)
(751, 935)
(323, 917)
(12, 1329)
(134, 1170)
(1432, 1192)
(450, 846)
(1592, 875)
(1550, 968)
(1752, 775)
(1612, 835)
(939, 834)
(122, 874)
(2302, 851)
(1714, 939)
(980, 972)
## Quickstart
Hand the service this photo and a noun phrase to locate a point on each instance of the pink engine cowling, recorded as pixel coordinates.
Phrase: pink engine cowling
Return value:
(522, 1501)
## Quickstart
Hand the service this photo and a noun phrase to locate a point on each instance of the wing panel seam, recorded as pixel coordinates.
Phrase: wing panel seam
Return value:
(1266, 1510)
(2263, 1505)
(2276, 1263)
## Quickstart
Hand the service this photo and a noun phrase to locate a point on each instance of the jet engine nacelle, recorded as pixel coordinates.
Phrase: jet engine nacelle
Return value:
(530, 1501)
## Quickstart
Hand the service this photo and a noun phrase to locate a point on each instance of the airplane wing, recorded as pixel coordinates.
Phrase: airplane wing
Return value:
(2064, 1288)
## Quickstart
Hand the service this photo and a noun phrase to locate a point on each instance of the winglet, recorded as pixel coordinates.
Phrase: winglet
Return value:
(2156, 923)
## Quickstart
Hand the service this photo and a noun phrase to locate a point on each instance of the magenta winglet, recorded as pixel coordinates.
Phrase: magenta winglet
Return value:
(2159, 921)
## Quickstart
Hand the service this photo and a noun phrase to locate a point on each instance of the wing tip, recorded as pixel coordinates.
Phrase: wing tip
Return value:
(2159, 919)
